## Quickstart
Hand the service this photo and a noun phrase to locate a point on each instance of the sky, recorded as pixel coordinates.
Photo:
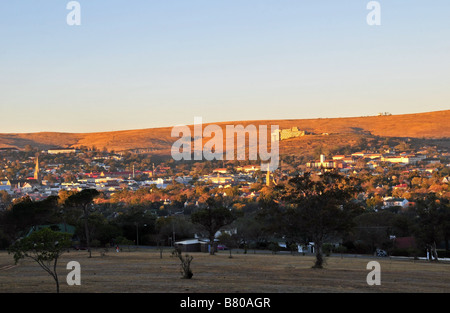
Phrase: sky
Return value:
(156, 63)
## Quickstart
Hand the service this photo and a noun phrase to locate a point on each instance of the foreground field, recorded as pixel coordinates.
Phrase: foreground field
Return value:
(144, 271)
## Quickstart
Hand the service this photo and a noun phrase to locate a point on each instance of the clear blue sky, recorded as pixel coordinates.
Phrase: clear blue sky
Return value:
(147, 63)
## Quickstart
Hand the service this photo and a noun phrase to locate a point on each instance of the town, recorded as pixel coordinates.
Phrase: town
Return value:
(392, 174)
(392, 179)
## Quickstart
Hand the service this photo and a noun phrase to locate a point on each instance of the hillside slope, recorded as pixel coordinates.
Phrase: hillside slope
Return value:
(431, 125)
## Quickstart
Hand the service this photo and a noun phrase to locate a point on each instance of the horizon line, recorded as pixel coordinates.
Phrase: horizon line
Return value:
(221, 122)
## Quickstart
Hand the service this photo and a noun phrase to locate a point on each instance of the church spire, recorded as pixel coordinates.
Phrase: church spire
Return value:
(268, 178)
(36, 170)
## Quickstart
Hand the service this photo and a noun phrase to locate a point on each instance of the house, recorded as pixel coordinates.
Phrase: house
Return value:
(5, 185)
(404, 242)
(400, 186)
(404, 159)
(373, 156)
(183, 179)
(9, 150)
(391, 202)
(62, 151)
(432, 161)
(159, 182)
(25, 185)
(248, 168)
(148, 173)
(321, 163)
(220, 179)
(63, 228)
(373, 164)
(125, 174)
(220, 170)
(193, 245)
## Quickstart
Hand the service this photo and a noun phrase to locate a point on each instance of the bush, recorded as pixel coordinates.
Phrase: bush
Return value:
(4, 242)
(274, 247)
(327, 248)
(443, 253)
(96, 243)
(185, 263)
(341, 249)
(408, 252)
(293, 247)
(362, 248)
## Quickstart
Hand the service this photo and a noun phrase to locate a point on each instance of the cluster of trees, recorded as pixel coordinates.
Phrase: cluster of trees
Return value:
(321, 208)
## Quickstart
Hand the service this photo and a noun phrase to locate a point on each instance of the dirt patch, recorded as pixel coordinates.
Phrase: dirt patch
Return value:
(145, 272)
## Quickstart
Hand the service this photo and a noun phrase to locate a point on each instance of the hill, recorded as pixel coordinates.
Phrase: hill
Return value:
(328, 132)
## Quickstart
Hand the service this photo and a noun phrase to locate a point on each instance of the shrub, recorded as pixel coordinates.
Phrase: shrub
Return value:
(409, 252)
(327, 248)
(341, 249)
(185, 263)
(274, 247)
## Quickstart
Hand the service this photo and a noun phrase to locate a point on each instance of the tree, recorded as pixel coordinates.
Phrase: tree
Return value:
(175, 226)
(374, 228)
(83, 200)
(137, 223)
(249, 228)
(230, 241)
(44, 246)
(212, 219)
(374, 202)
(5, 198)
(431, 225)
(185, 263)
(25, 213)
(320, 206)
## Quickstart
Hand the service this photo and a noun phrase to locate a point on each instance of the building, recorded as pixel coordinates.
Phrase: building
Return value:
(9, 150)
(220, 170)
(283, 134)
(392, 202)
(404, 159)
(62, 151)
(5, 185)
(322, 163)
(404, 243)
(36, 170)
(125, 174)
(193, 245)
(248, 168)
(220, 179)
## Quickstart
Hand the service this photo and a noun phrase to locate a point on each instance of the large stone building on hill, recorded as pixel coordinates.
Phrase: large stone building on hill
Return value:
(288, 133)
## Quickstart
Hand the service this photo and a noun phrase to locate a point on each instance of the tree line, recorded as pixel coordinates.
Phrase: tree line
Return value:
(320, 208)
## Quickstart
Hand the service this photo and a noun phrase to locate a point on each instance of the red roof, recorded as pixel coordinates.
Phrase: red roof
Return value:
(404, 242)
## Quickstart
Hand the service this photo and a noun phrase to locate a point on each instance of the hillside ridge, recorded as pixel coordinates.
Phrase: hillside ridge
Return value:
(429, 125)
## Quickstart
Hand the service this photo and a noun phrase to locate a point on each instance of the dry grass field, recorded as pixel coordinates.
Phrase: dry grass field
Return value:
(159, 140)
(144, 271)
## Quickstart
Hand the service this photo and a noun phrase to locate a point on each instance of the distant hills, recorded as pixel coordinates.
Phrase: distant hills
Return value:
(158, 141)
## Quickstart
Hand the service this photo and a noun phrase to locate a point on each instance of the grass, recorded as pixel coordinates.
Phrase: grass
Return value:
(144, 271)
(159, 140)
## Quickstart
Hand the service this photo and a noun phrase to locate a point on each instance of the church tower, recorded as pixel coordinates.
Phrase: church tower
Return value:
(268, 178)
(36, 170)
